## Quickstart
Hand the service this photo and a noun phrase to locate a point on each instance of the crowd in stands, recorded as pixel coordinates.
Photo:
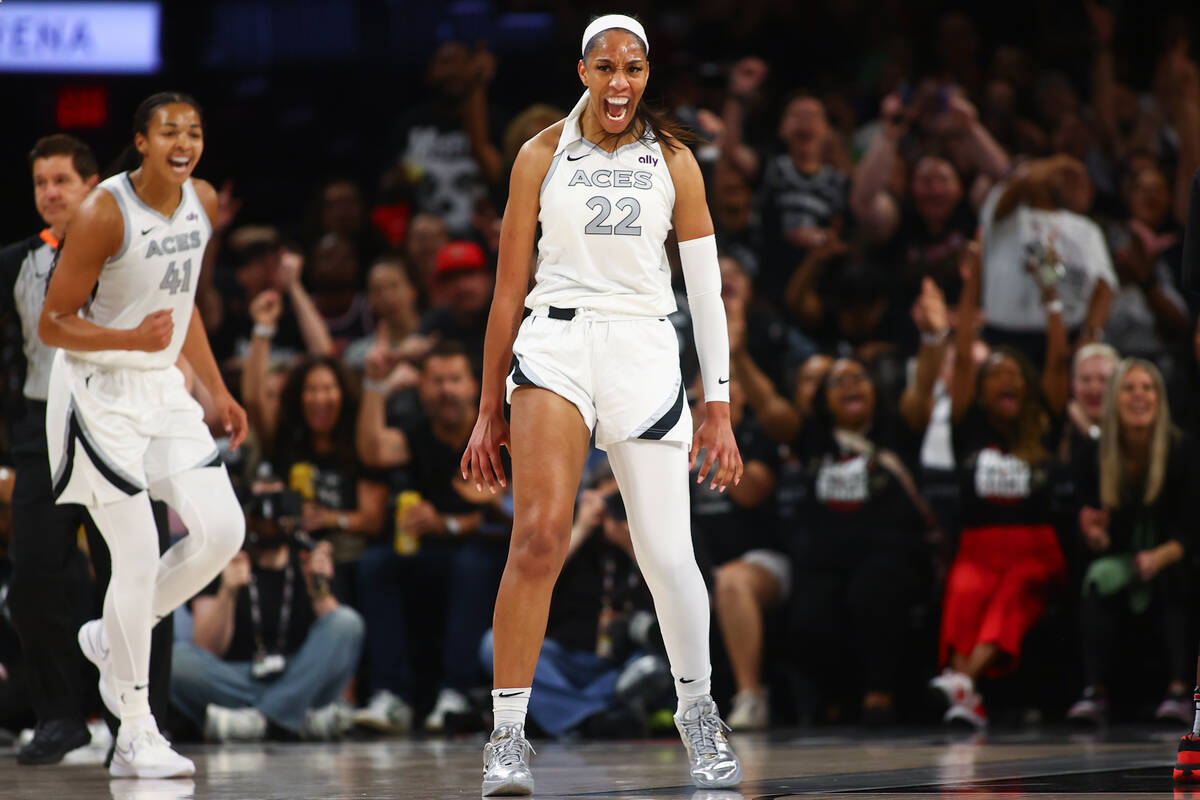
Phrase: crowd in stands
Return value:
(965, 381)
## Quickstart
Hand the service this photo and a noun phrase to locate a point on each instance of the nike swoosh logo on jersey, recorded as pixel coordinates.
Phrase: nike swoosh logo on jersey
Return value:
(152, 227)
(722, 380)
(576, 158)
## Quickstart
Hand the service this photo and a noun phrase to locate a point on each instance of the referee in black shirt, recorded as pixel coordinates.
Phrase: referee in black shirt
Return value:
(49, 574)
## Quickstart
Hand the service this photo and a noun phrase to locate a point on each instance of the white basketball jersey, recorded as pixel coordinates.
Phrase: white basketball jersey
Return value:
(156, 268)
(604, 218)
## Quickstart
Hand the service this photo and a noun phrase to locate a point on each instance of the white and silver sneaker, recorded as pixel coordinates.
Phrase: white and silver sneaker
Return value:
(751, 710)
(449, 701)
(223, 724)
(93, 641)
(385, 713)
(714, 765)
(506, 770)
(143, 752)
(328, 723)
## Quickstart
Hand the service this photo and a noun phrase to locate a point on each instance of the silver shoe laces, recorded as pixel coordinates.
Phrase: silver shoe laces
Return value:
(702, 733)
(508, 747)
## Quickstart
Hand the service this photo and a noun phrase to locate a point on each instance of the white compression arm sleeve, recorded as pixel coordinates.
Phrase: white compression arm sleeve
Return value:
(702, 276)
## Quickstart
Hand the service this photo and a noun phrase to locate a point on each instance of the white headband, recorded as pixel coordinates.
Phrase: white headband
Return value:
(609, 21)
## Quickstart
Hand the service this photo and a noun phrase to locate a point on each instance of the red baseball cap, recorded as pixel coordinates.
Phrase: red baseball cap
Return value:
(457, 256)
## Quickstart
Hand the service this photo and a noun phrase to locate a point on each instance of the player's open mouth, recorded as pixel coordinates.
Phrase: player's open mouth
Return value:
(179, 163)
(615, 108)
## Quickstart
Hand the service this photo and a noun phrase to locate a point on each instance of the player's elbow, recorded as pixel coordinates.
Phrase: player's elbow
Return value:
(48, 328)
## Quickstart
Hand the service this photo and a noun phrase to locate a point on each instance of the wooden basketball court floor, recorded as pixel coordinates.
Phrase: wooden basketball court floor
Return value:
(920, 763)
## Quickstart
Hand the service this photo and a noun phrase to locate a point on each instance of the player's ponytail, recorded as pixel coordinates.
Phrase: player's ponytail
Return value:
(130, 158)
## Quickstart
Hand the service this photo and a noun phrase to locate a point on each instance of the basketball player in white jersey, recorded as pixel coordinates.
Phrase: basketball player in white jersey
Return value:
(121, 426)
(598, 355)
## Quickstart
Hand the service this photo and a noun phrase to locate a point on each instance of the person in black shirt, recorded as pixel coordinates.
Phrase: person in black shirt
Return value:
(1004, 434)
(460, 534)
(271, 644)
(1136, 494)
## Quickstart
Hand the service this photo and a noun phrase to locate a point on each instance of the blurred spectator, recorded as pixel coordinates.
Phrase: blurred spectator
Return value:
(444, 143)
(855, 524)
(464, 284)
(266, 651)
(333, 279)
(602, 665)
(1137, 494)
(458, 535)
(426, 238)
(776, 347)
(263, 265)
(925, 228)
(804, 200)
(1149, 317)
(392, 300)
(842, 303)
(1008, 553)
(1091, 368)
(338, 207)
(1035, 234)
(309, 437)
(523, 127)
(737, 545)
(735, 218)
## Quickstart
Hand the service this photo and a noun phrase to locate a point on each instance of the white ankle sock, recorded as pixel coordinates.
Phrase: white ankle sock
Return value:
(509, 706)
(689, 690)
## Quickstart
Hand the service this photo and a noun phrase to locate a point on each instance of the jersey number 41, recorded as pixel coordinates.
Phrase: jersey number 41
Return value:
(173, 282)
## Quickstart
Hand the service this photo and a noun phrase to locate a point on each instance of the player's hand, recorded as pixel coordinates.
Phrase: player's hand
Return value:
(481, 461)
(154, 333)
(236, 573)
(233, 419)
(715, 437)
(266, 308)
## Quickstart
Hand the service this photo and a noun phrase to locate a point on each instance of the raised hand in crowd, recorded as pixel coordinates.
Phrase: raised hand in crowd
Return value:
(392, 369)
(266, 308)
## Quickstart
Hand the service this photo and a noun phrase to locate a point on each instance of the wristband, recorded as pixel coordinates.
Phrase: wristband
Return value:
(371, 385)
(935, 339)
(453, 526)
(343, 522)
(264, 331)
(1055, 306)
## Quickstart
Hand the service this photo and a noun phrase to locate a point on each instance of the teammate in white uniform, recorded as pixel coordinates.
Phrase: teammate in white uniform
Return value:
(598, 355)
(121, 426)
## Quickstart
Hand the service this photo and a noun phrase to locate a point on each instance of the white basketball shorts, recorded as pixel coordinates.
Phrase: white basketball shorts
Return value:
(622, 374)
(112, 432)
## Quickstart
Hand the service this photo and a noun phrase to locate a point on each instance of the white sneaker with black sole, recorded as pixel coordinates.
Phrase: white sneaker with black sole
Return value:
(385, 713)
(142, 752)
(93, 641)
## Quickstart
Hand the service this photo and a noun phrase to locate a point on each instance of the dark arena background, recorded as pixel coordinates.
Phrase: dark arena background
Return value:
(964, 559)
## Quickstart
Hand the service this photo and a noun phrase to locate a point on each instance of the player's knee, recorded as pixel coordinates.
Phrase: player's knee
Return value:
(539, 548)
(225, 529)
